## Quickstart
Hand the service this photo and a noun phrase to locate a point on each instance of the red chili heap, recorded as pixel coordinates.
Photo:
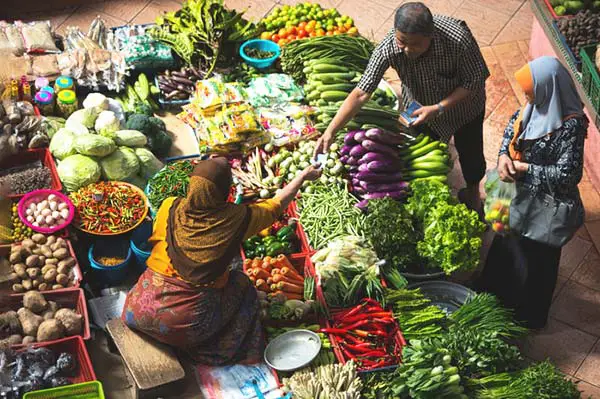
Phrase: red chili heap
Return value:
(367, 334)
(108, 207)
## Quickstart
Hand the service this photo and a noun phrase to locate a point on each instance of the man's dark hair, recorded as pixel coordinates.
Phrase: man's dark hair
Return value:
(414, 18)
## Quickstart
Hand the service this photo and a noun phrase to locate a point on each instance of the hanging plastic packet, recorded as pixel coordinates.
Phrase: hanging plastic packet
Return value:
(13, 38)
(499, 195)
(37, 37)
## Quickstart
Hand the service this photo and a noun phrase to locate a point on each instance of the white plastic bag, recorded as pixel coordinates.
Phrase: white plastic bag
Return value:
(499, 195)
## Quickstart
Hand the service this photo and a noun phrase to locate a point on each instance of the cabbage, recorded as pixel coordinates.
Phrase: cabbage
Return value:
(62, 144)
(130, 138)
(86, 117)
(77, 128)
(96, 101)
(149, 164)
(121, 165)
(94, 145)
(78, 171)
(107, 124)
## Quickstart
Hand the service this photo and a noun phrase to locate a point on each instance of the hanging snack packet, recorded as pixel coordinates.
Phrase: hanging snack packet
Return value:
(37, 37)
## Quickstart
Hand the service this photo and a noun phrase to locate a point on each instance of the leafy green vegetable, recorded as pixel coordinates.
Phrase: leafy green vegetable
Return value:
(415, 314)
(390, 230)
(376, 385)
(204, 32)
(426, 194)
(452, 238)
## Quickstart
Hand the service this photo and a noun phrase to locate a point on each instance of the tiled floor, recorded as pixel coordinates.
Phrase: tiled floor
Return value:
(502, 29)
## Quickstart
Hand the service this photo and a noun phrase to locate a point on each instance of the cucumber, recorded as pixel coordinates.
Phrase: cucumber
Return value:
(430, 166)
(333, 77)
(345, 87)
(418, 144)
(327, 68)
(324, 118)
(419, 152)
(423, 173)
(313, 95)
(333, 95)
(307, 70)
(320, 126)
(321, 103)
(433, 154)
(353, 125)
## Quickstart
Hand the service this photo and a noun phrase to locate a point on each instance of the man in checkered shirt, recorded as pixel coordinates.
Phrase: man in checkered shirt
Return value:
(441, 67)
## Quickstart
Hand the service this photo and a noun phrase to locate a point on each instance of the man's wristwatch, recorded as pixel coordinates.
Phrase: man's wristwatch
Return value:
(441, 108)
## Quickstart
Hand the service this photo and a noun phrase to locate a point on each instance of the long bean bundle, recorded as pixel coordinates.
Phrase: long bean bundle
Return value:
(349, 50)
(328, 212)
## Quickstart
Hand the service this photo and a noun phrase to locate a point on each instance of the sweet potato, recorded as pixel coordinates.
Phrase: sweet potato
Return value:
(35, 302)
(30, 322)
(50, 330)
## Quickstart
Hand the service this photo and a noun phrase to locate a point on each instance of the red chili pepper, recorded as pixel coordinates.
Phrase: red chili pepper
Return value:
(355, 325)
(359, 350)
(374, 353)
(334, 331)
(347, 353)
(351, 312)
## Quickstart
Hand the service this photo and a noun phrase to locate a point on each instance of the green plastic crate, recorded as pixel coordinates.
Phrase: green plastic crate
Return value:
(86, 390)
(590, 78)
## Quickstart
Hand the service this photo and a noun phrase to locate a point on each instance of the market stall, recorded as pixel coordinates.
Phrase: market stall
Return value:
(350, 278)
(573, 36)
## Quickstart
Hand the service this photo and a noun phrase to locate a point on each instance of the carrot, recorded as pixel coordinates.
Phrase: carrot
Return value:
(280, 277)
(260, 273)
(291, 295)
(267, 259)
(256, 262)
(289, 287)
(247, 263)
(291, 273)
(265, 266)
(273, 287)
(273, 262)
(285, 262)
(270, 281)
(261, 285)
(275, 271)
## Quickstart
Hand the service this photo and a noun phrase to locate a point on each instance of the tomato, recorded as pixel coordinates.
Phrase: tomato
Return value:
(282, 42)
(353, 31)
(343, 29)
(329, 33)
(292, 37)
(275, 38)
(292, 30)
(336, 32)
(282, 32)
(312, 34)
(302, 33)
(302, 25)
(320, 32)
(266, 35)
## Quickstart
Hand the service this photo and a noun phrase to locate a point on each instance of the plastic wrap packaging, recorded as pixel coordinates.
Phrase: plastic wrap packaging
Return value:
(37, 37)
(499, 195)
(45, 65)
(14, 38)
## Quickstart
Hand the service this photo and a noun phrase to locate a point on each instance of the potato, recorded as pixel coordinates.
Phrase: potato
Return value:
(27, 284)
(50, 240)
(62, 279)
(36, 251)
(9, 323)
(28, 340)
(15, 257)
(63, 269)
(34, 272)
(35, 302)
(43, 287)
(42, 260)
(32, 261)
(21, 271)
(30, 322)
(18, 288)
(50, 330)
(25, 252)
(54, 247)
(46, 268)
(39, 238)
(46, 251)
(50, 276)
(61, 242)
(70, 262)
(71, 320)
(13, 278)
(57, 287)
(61, 253)
(28, 243)
(15, 339)
(52, 261)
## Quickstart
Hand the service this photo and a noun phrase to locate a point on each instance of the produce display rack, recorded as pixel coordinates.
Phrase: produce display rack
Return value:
(543, 15)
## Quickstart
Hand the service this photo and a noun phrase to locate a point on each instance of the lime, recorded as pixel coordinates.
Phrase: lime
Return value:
(303, 19)
(320, 15)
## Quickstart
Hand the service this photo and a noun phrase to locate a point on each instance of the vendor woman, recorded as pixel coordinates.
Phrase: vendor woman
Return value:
(188, 297)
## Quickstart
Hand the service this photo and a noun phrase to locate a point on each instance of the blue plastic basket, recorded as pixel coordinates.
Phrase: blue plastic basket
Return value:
(263, 45)
(139, 237)
(112, 274)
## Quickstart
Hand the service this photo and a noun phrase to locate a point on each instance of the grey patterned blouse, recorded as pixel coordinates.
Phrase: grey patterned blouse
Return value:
(555, 161)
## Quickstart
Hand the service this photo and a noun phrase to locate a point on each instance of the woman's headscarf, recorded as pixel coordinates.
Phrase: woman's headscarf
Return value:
(205, 230)
(554, 98)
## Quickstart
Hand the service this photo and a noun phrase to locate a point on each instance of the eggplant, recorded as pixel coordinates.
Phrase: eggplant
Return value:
(383, 137)
(349, 138)
(373, 177)
(383, 166)
(373, 146)
(358, 151)
(360, 136)
(384, 187)
(392, 194)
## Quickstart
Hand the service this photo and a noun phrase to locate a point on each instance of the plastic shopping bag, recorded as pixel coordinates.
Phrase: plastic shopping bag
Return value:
(499, 195)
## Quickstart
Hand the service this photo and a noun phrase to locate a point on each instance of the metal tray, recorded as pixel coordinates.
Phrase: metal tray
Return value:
(292, 350)
(444, 294)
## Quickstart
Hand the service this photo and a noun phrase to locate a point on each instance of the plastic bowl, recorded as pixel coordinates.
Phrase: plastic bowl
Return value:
(38, 196)
(112, 274)
(292, 350)
(139, 237)
(260, 44)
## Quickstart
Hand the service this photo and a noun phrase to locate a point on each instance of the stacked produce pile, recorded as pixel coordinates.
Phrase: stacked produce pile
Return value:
(288, 23)
(20, 128)
(277, 239)
(171, 181)
(38, 320)
(569, 7)
(26, 178)
(179, 85)
(35, 369)
(581, 30)
(330, 381)
(276, 276)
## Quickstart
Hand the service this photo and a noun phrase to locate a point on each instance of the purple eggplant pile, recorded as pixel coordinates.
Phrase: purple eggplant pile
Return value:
(381, 164)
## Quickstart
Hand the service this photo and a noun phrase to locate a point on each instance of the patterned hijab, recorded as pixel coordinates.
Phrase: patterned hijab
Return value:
(205, 230)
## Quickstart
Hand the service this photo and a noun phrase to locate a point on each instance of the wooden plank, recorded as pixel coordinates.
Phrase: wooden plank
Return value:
(151, 363)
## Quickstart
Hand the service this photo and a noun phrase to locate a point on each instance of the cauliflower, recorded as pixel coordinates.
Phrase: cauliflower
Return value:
(85, 117)
(96, 101)
(107, 124)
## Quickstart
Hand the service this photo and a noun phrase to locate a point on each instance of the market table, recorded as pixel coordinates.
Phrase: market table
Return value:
(546, 40)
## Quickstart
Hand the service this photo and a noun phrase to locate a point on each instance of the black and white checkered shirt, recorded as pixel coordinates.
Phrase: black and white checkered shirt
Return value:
(453, 60)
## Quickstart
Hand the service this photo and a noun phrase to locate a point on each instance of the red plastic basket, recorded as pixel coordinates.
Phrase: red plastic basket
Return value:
(26, 157)
(77, 274)
(76, 347)
(40, 195)
(72, 298)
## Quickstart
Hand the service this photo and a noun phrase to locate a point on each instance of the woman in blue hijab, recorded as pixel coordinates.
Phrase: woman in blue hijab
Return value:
(542, 149)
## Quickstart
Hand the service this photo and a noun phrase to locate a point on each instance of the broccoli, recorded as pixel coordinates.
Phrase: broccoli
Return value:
(141, 123)
(159, 125)
(144, 109)
(160, 144)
